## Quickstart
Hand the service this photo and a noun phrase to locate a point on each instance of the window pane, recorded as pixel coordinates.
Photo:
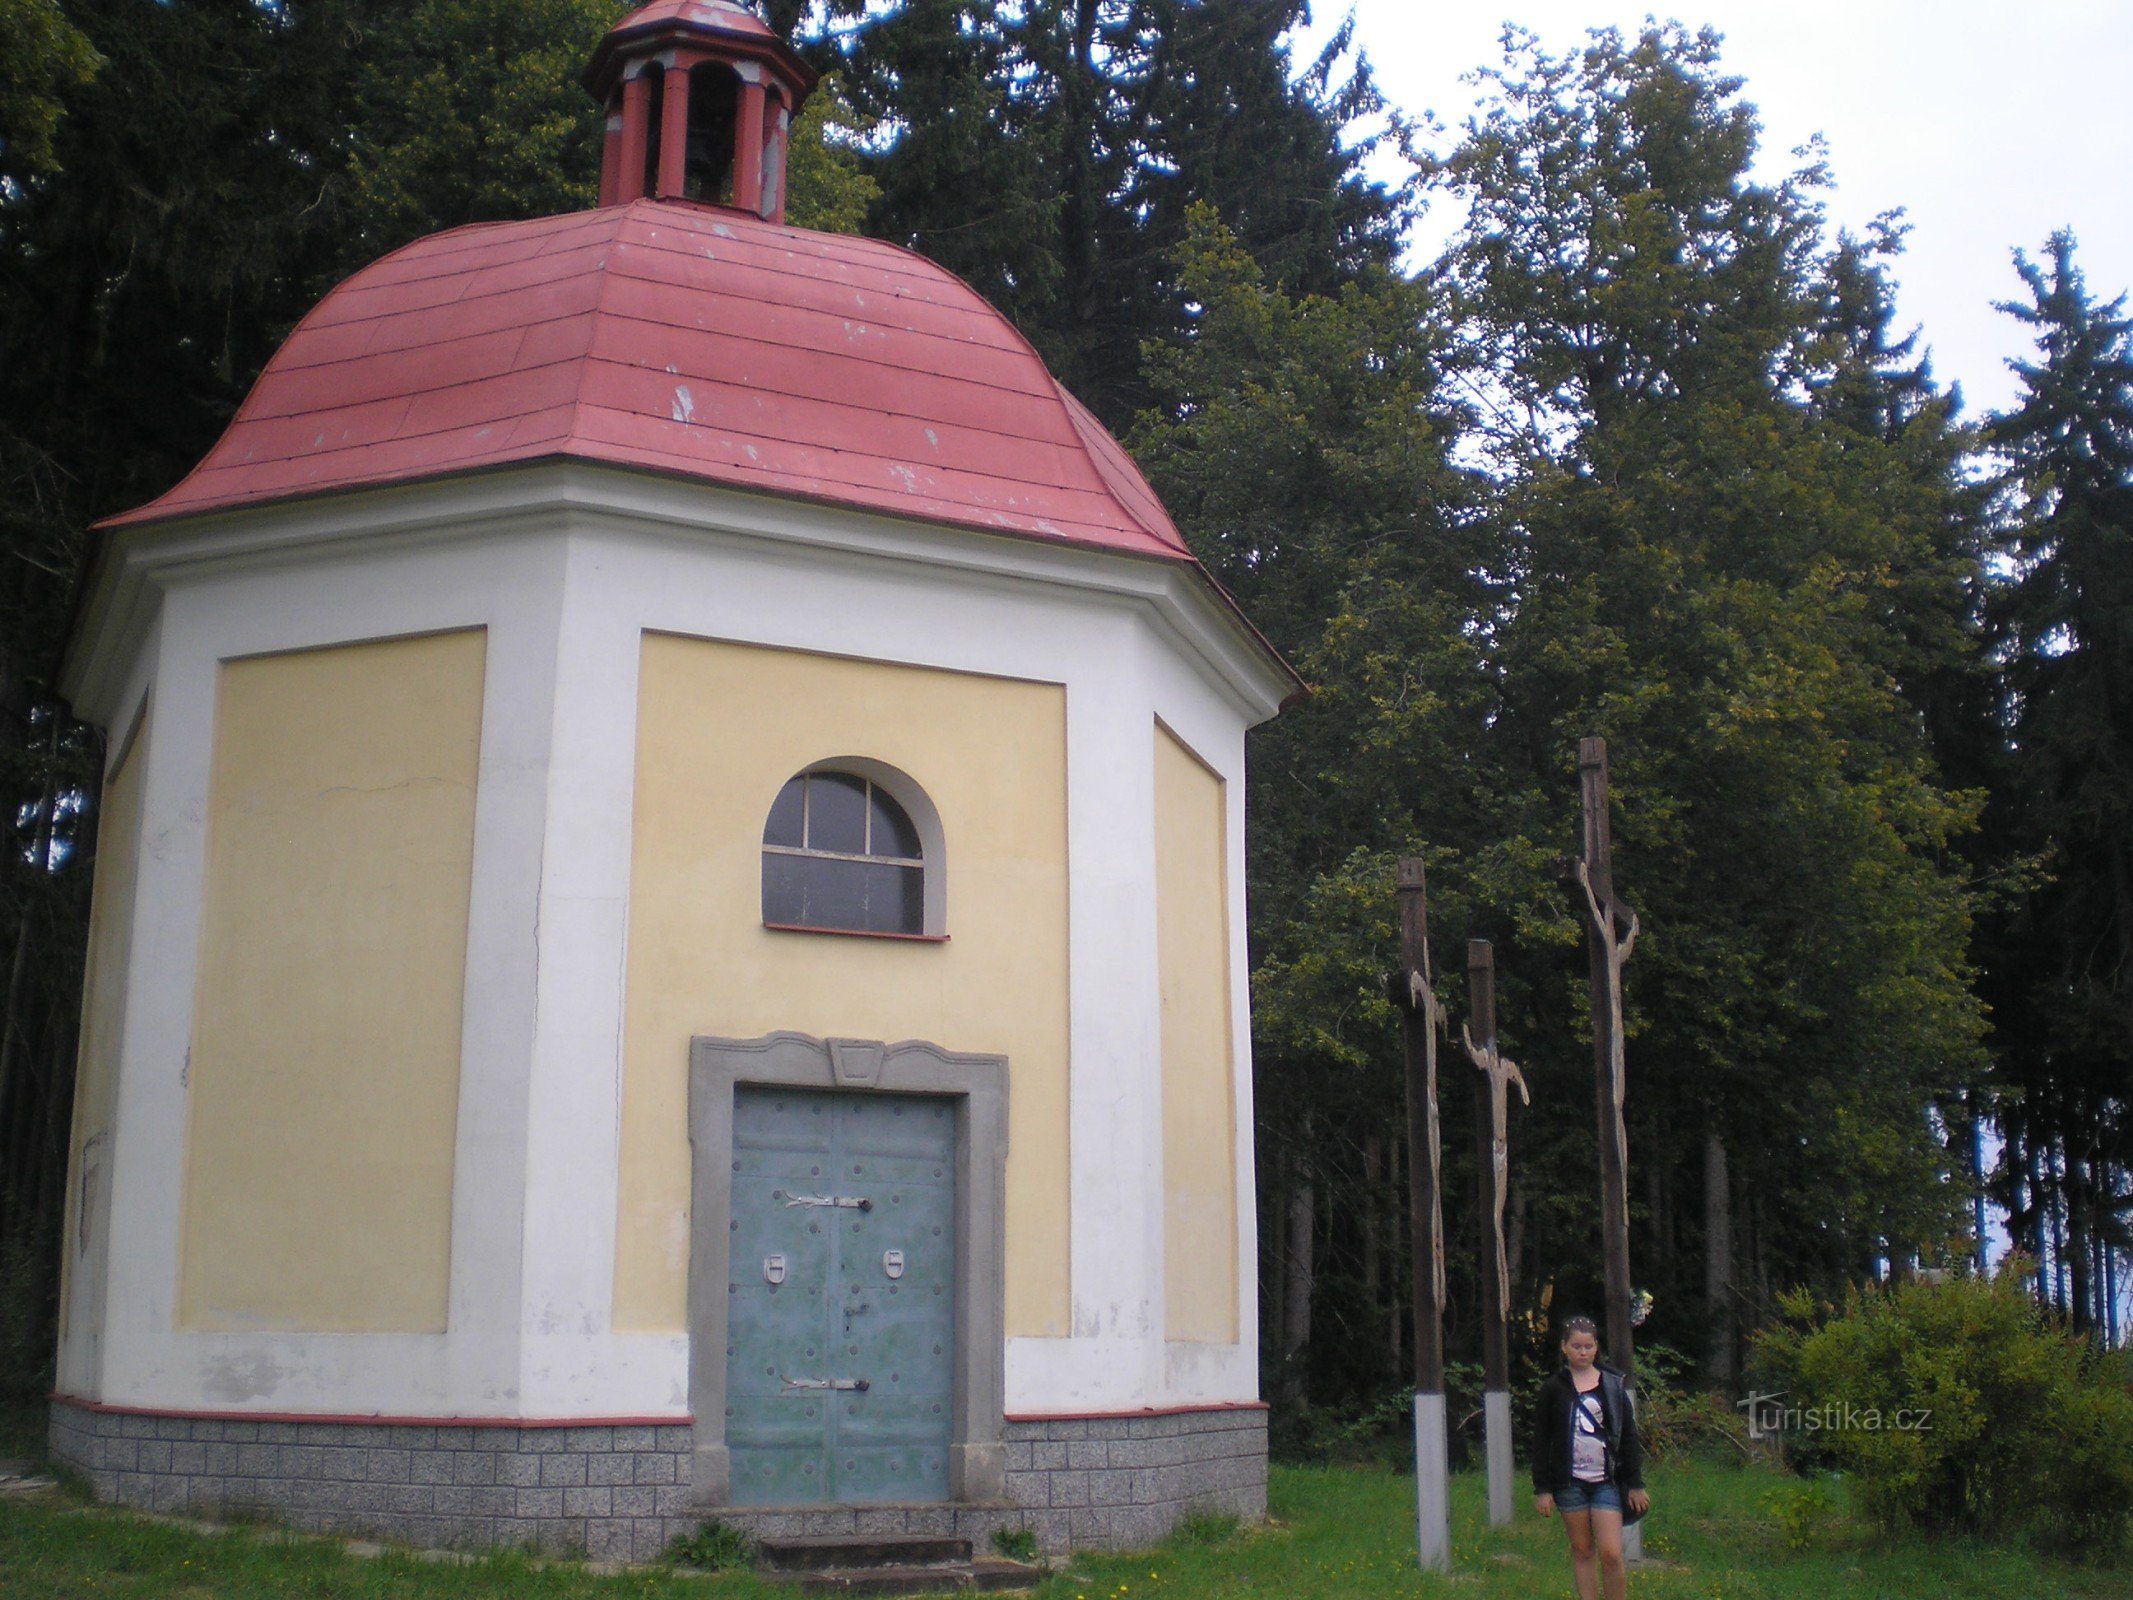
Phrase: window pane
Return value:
(784, 894)
(811, 892)
(836, 812)
(785, 814)
(892, 899)
(893, 833)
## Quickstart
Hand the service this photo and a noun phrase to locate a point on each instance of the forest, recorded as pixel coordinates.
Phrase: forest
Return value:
(1643, 454)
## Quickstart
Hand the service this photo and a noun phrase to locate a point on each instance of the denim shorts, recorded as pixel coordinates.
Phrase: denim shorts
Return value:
(1578, 1496)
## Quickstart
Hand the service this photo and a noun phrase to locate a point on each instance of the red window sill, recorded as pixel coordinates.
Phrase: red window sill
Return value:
(857, 933)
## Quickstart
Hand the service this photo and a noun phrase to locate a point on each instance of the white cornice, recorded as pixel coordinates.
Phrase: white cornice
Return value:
(138, 564)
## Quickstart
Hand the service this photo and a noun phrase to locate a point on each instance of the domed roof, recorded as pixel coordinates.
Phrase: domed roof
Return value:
(687, 339)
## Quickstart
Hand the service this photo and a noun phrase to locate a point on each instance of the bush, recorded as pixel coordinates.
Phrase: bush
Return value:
(714, 1547)
(1958, 1406)
(1017, 1544)
(1676, 1421)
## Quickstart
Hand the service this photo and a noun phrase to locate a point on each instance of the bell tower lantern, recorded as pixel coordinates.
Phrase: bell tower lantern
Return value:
(700, 96)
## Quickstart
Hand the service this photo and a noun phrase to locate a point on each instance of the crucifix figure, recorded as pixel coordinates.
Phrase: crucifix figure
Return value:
(1501, 1072)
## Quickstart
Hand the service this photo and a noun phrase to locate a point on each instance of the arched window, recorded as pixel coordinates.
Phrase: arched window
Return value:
(843, 851)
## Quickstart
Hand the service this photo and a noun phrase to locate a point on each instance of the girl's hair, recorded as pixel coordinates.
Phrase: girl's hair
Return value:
(1579, 1325)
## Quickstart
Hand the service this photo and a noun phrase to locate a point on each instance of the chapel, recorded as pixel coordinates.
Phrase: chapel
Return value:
(668, 938)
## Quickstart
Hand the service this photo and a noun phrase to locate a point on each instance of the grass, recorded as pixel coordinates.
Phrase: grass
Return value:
(1716, 1533)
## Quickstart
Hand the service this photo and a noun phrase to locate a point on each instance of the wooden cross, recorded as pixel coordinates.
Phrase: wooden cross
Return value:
(1423, 1016)
(1416, 997)
(1608, 947)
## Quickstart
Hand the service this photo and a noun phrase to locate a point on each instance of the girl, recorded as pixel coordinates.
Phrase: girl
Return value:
(1587, 1460)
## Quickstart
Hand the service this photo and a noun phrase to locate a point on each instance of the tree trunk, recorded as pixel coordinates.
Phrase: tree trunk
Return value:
(1395, 1243)
(2110, 1296)
(1762, 1260)
(1296, 1293)
(2040, 1224)
(1718, 1288)
(1373, 1221)
(2058, 1192)
(2079, 1254)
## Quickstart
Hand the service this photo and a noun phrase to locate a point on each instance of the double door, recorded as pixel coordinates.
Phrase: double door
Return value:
(840, 1297)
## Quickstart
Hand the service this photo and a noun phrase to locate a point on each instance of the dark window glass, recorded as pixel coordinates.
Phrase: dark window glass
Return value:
(893, 833)
(787, 813)
(837, 813)
(819, 822)
(822, 892)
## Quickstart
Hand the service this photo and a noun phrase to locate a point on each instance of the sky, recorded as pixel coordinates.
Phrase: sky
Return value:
(1988, 124)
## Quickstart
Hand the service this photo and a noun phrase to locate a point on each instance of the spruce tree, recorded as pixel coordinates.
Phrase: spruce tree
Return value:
(1049, 152)
(2064, 628)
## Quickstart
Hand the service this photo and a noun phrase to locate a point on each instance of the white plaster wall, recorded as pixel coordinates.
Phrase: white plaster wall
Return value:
(79, 1368)
(566, 568)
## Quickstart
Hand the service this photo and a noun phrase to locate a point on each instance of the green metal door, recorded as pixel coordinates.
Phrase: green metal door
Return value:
(840, 1297)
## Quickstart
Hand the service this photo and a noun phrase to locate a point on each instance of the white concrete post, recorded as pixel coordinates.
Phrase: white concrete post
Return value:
(1496, 1419)
(1433, 1508)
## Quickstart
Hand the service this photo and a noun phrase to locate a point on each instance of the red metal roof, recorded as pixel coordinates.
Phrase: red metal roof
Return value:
(723, 16)
(683, 339)
(718, 21)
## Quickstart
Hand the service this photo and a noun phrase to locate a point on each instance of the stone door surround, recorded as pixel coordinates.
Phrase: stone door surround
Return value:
(978, 1083)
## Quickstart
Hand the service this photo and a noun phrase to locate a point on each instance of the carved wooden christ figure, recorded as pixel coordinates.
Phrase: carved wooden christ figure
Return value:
(1501, 1072)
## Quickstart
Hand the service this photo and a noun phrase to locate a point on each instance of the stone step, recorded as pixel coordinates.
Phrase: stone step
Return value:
(852, 1551)
(964, 1577)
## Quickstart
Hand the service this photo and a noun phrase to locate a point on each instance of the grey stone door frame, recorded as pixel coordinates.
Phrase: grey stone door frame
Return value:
(977, 1461)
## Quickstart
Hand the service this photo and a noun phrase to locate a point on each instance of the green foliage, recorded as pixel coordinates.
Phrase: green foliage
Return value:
(1016, 1544)
(1737, 538)
(1050, 151)
(471, 111)
(1804, 1510)
(1206, 1530)
(46, 58)
(1640, 458)
(1675, 1419)
(2062, 618)
(1960, 1406)
(827, 183)
(715, 1546)
(25, 1360)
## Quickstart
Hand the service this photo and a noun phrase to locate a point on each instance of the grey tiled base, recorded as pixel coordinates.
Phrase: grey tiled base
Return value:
(1116, 1483)
(622, 1493)
(611, 1493)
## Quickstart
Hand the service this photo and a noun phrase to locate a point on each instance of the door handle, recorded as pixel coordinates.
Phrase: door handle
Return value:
(844, 1202)
(840, 1385)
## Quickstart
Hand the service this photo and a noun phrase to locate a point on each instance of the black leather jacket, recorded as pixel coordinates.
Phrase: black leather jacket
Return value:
(1551, 1432)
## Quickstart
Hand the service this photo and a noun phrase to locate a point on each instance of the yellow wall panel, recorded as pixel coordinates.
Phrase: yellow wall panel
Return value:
(1199, 1116)
(118, 830)
(721, 727)
(324, 1076)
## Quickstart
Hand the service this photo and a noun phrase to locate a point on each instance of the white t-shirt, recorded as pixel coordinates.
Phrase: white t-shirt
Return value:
(1588, 1439)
